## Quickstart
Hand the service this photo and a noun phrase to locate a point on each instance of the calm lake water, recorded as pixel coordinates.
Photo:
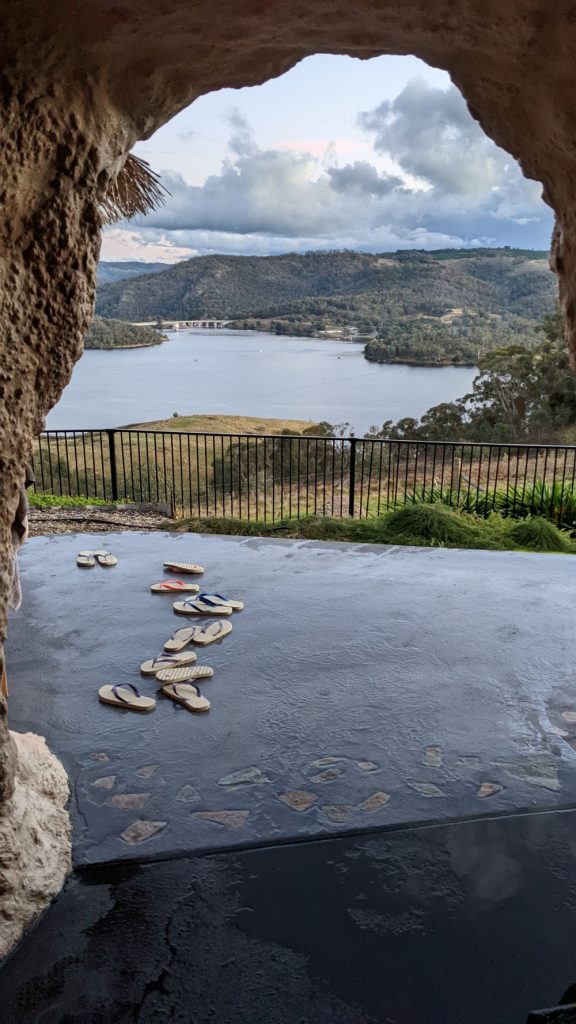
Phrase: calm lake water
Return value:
(249, 374)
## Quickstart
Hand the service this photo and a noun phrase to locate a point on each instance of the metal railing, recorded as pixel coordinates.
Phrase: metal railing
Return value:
(281, 476)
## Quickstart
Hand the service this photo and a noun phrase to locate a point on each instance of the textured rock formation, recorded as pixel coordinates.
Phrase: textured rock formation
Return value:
(79, 83)
(34, 837)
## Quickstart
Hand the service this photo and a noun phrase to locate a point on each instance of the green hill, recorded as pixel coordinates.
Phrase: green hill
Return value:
(371, 285)
(118, 334)
(477, 295)
(110, 270)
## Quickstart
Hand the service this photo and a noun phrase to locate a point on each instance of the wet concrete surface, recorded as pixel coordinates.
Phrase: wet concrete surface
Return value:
(471, 923)
(362, 688)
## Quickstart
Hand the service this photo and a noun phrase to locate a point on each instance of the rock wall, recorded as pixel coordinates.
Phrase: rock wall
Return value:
(34, 838)
(80, 82)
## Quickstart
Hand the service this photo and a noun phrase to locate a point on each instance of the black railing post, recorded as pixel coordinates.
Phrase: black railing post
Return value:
(352, 492)
(113, 473)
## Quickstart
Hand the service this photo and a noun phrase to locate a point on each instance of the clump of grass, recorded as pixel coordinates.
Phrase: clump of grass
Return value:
(42, 499)
(433, 524)
(539, 534)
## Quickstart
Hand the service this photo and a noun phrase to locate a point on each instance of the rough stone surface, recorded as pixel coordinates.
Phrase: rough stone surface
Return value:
(34, 837)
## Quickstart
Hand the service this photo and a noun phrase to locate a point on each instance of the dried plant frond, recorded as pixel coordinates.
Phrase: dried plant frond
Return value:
(136, 190)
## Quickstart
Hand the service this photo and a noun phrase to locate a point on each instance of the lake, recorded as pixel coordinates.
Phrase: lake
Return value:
(249, 374)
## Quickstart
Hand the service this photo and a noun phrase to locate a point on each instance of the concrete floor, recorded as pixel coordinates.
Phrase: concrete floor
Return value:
(363, 690)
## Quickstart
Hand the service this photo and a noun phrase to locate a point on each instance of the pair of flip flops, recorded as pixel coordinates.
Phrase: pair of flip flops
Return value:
(208, 604)
(128, 697)
(202, 635)
(88, 559)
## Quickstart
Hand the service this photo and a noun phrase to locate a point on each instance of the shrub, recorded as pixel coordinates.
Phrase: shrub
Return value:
(430, 524)
(539, 535)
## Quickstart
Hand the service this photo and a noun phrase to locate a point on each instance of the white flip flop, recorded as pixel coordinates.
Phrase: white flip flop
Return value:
(184, 675)
(181, 638)
(105, 559)
(187, 695)
(126, 696)
(86, 560)
(219, 599)
(197, 607)
(211, 632)
(188, 567)
(173, 586)
(154, 665)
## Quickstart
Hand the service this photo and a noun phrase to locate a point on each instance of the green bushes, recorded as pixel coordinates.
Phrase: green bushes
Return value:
(556, 502)
(538, 534)
(434, 525)
(430, 524)
(40, 499)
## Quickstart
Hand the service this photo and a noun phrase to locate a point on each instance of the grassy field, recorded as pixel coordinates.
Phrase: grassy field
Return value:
(220, 424)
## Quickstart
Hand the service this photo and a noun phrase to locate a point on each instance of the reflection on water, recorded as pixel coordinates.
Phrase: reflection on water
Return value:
(249, 374)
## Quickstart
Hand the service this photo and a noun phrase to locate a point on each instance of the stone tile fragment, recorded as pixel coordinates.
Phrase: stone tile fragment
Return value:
(231, 819)
(188, 795)
(147, 770)
(558, 731)
(374, 802)
(325, 762)
(489, 789)
(469, 761)
(106, 782)
(245, 777)
(569, 716)
(337, 812)
(433, 757)
(141, 830)
(427, 789)
(298, 799)
(128, 801)
(368, 766)
(328, 776)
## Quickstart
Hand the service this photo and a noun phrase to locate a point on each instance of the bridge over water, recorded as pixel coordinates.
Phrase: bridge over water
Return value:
(176, 325)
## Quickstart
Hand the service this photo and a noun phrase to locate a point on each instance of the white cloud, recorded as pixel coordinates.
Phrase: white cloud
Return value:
(451, 186)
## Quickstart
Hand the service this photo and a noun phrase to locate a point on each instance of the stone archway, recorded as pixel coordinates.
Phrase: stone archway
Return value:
(79, 84)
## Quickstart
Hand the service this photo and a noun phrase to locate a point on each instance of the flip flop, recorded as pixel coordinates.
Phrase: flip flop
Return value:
(126, 696)
(219, 599)
(105, 558)
(211, 632)
(184, 675)
(189, 567)
(187, 695)
(151, 667)
(181, 638)
(170, 586)
(86, 560)
(197, 607)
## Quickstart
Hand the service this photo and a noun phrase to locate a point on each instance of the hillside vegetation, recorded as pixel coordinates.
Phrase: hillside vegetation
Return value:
(324, 291)
(109, 271)
(119, 334)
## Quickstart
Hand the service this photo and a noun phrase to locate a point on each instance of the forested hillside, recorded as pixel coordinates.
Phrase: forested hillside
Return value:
(118, 334)
(326, 290)
(121, 270)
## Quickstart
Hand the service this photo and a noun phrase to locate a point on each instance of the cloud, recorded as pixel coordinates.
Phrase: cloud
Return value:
(451, 186)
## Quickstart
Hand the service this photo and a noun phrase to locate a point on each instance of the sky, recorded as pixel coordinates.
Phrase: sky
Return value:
(337, 153)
